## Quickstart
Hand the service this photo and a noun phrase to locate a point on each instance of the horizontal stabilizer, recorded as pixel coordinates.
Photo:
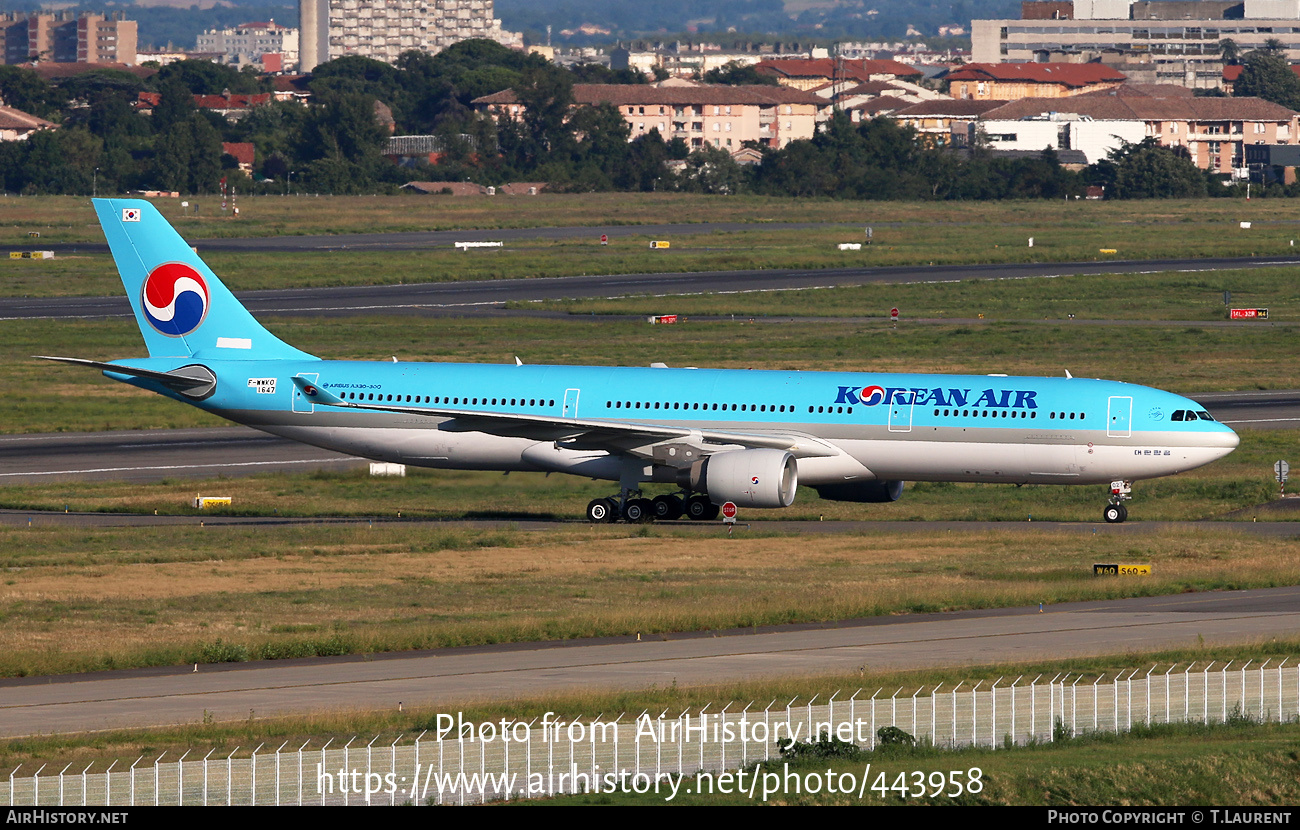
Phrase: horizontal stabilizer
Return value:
(186, 379)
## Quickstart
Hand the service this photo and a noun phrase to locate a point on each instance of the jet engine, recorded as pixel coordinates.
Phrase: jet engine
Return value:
(750, 478)
(861, 491)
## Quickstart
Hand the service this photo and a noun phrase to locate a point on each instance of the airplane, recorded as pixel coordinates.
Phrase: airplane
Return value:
(741, 436)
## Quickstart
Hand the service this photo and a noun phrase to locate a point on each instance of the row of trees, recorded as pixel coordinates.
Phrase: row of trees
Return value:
(335, 145)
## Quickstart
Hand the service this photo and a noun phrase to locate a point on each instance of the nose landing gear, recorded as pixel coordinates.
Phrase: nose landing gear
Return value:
(1116, 512)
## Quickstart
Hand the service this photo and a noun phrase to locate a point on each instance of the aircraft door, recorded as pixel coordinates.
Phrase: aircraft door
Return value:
(300, 401)
(900, 411)
(1119, 418)
(570, 403)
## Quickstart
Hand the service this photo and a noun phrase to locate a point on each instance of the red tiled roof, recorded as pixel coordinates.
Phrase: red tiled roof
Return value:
(12, 119)
(236, 101)
(885, 103)
(1232, 72)
(50, 70)
(241, 150)
(1131, 90)
(1066, 74)
(826, 68)
(951, 108)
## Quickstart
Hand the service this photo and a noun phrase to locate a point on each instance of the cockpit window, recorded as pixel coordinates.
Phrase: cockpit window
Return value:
(1204, 416)
(1178, 415)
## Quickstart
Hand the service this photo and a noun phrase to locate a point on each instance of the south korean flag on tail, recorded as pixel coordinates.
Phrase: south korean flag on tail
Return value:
(130, 214)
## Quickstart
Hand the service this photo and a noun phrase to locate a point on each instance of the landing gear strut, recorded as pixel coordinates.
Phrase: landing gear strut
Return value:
(1115, 511)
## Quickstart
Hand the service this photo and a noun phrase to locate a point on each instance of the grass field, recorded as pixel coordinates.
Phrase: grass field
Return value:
(71, 219)
(906, 234)
(90, 599)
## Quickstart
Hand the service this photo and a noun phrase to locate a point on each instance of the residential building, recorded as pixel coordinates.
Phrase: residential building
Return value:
(801, 73)
(16, 125)
(1214, 131)
(266, 45)
(384, 29)
(68, 37)
(1176, 40)
(723, 116)
(947, 121)
(1010, 81)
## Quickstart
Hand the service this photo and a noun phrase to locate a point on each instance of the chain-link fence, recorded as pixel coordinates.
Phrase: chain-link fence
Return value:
(458, 762)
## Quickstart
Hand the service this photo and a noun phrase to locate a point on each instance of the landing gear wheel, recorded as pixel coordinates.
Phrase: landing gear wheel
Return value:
(600, 511)
(1115, 513)
(667, 508)
(701, 509)
(638, 511)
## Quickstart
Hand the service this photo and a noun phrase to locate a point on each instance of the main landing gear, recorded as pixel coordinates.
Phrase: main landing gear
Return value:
(631, 507)
(1115, 511)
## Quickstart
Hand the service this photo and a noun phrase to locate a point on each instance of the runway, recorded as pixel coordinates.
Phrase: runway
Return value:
(451, 678)
(458, 298)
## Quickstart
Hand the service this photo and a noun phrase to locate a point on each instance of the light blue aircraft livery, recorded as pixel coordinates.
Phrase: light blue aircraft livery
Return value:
(747, 437)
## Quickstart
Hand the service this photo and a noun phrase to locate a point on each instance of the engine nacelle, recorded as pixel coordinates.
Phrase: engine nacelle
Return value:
(863, 492)
(750, 478)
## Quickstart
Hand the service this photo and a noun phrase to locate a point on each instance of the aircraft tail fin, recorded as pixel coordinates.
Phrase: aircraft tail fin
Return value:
(182, 308)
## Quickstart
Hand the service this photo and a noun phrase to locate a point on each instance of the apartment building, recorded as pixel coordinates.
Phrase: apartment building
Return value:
(1177, 40)
(250, 44)
(384, 29)
(1011, 81)
(68, 37)
(722, 116)
(1214, 131)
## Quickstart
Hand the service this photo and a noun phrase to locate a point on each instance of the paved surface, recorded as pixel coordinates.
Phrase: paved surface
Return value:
(447, 678)
(467, 297)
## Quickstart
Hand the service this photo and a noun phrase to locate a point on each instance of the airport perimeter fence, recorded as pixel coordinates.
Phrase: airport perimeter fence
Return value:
(457, 762)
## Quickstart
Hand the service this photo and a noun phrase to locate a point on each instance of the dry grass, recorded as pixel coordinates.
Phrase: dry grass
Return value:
(99, 598)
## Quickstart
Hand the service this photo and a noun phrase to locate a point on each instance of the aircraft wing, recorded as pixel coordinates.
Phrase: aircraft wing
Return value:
(579, 433)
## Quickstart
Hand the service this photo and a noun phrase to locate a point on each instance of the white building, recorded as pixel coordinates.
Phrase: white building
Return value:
(247, 43)
(384, 29)
(1063, 131)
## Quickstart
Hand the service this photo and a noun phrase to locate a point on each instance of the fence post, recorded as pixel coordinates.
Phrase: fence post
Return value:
(155, 778)
(323, 767)
(993, 726)
(13, 796)
(1171, 668)
(767, 728)
(1013, 707)
(252, 777)
(873, 717)
(137, 760)
(1261, 688)
(1074, 706)
(954, 714)
(744, 742)
(934, 716)
(92, 763)
(704, 734)
(180, 780)
(392, 767)
(230, 797)
(914, 694)
(108, 782)
(65, 769)
(302, 785)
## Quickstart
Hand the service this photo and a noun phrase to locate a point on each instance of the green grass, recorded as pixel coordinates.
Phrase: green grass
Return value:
(1246, 765)
(913, 235)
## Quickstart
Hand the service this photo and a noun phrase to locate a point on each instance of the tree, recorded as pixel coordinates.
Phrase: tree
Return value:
(1269, 77)
(1229, 51)
(738, 74)
(1147, 170)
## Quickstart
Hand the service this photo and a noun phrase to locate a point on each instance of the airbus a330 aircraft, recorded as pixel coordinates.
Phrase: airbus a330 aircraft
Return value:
(748, 437)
